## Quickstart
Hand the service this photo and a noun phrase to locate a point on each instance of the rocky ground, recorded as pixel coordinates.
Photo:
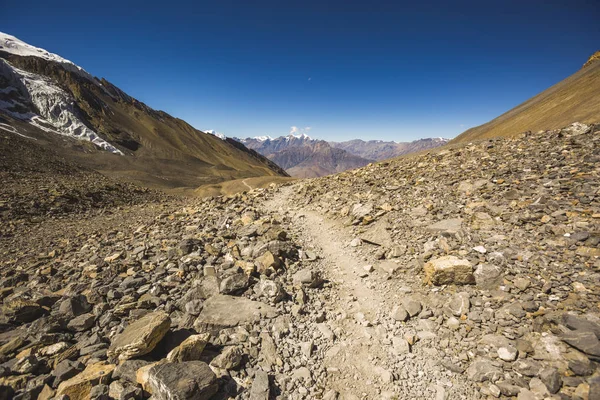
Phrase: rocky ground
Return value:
(466, 273)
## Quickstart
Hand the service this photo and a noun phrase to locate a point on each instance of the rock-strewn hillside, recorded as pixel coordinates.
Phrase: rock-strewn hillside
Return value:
(470, 272)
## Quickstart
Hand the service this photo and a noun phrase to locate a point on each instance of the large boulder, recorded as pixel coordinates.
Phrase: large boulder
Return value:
(80, 386)
(140, 337)
(449, 270)
(180, 381)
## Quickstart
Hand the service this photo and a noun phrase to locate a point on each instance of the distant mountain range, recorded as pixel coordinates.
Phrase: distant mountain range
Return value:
(51, 101)
(304, 157)
(575, 98)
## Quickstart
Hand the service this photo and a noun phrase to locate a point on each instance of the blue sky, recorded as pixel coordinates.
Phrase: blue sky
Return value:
(347, 69)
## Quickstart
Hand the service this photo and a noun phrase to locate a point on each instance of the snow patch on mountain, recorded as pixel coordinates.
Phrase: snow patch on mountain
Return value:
(300, 136)
(263, 138)
(56, 108)
(215, 133)
(12, 45)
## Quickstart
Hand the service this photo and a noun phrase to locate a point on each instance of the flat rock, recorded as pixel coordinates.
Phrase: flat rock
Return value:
(260, 386)
(234, 283)
(140, 337)
(229, 358)
(389, 267)
(460, 304)
(222, 311)
(452, 225)
(585, 341)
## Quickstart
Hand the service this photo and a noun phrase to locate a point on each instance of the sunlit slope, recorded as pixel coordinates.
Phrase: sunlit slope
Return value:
(577, 98)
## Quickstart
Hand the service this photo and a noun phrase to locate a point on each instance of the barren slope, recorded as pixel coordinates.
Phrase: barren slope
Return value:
(573, 99)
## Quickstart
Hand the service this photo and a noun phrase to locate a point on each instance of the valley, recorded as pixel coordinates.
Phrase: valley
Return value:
(142, 258)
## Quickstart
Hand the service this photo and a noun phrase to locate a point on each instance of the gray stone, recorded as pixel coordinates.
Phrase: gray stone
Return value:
(527, 367)
(234, 283)
(260, 386)
(488, 276)
(508, 389)
(452, 225)
(460, 304)
(482, 370)
(400, 346)
(508, 353)
(126, 370)
(67, 369)
(82, 322)
(222, 311)
(229, 358)
(580, 323)
(178, 381)
(399, 313)
(413, 307)
(551, 378)
(270, 289)
(306, 277)
(585, 341)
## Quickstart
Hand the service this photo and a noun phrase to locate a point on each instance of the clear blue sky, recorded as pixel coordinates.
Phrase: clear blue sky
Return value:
(376, 70)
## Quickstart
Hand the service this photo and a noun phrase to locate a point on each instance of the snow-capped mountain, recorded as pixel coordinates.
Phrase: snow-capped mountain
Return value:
(215, 133)
(46, 97)
(53, 108)
(304, 156)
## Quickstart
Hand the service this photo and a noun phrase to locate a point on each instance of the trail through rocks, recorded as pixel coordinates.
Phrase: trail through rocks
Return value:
(342, 266)
(366, 353)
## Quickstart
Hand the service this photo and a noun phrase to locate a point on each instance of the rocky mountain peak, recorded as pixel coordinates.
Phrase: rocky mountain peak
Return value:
(593, 58)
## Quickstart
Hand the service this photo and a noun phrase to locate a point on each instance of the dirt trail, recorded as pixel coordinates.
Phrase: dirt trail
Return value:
(248, 186)
(352, 360)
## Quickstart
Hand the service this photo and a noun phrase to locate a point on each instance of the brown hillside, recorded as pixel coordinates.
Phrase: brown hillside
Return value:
(573, 99)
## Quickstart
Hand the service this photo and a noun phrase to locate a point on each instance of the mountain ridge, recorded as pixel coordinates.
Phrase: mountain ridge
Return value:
(303, 156)
(154, 147)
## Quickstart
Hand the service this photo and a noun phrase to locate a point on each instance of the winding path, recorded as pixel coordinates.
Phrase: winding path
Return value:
(351, 361)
